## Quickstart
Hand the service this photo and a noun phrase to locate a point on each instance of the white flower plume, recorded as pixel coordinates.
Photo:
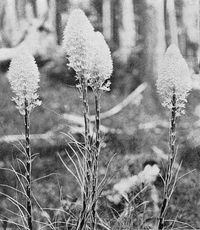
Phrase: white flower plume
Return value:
(125, 185)
(24, 77)
(174, 77)
(77, 42)
(147, 176)
(102, 66)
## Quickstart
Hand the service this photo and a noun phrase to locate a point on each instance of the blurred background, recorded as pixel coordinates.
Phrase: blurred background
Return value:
(134, 125)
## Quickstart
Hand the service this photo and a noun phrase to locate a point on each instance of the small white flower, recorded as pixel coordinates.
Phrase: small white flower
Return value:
(149, 174)
(24, 77)
(125, 185)
(102, 66)
(77, 42)
(174, 77)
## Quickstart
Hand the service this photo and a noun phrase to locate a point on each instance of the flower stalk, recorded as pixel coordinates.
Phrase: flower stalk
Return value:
(89, 55)
(96, 160)
(24, 78)
(173, 85)
(77, 44)
(171, 160)
(28, 165)
(81, 224)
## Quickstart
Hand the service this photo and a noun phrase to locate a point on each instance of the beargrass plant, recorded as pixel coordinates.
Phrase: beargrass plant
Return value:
(89, 55)
(77, 44)
(99, 81)
(173, 85)
(24, 79)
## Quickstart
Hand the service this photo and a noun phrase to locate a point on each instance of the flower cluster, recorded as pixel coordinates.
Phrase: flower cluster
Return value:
(23, 76)
(102, 65)
(147, 176)
(87, 52)
(77, 43)
(174, 78)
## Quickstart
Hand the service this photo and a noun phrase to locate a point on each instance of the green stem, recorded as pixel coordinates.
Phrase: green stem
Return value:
(95, 161)
(28, 165)
(81, 224)
(172, 146)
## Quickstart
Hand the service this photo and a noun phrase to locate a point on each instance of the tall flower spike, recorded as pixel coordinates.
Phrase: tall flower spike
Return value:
(23, 76)
(102, 65)
(174, 78)
(77, 42)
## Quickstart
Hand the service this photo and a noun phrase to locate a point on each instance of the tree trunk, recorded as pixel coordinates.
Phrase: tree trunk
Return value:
(127, 34)
(107, 19)
(11, 26)
(58, 23)
(2, 16)
(154, 37)
(34, 7)
(52, 18)
(21, 9)
(172, 22)
(153, 34)
(42, 8)
(85, 5)
(191, 32)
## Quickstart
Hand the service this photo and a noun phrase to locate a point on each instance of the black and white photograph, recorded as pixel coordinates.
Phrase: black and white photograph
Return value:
(99, 114)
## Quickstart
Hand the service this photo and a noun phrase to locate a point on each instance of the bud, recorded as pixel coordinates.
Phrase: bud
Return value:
(23, 76)
(77, 42)
(174, 77)
(102, 65)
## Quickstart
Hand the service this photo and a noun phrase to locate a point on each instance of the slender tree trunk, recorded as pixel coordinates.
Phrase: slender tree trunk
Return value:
(2, 17)
(198, 21)
(127, 34)
(42, 8)
(28, 165)
(107, 19)
(167, 32)
(21, 11)
(80, 4)
(191, 28)
(34, 7)
(154, 37)
(58, 23)
(54, 19)
(153, 34)
(11, 23)
(172, 21)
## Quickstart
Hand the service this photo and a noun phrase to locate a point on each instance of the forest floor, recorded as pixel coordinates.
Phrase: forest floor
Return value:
(133, 142)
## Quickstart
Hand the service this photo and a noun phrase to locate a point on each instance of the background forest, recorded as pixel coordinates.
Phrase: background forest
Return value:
(134, 124)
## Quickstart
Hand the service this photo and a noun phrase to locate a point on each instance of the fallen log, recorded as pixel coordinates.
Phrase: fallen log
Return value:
(78, 122)
(52, 136)
(132, 98)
